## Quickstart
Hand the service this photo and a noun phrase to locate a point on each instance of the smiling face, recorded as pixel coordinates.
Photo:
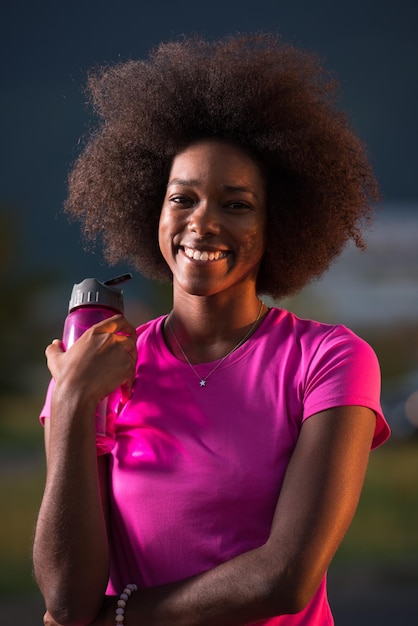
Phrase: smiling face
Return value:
(212, 223)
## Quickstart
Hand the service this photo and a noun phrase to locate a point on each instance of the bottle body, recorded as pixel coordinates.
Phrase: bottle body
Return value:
(76, 323)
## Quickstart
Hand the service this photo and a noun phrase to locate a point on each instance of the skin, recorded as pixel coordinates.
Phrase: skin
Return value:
(215, 202)
(70, 548)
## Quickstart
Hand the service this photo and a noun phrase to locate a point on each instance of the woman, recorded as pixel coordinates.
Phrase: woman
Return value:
(242, 450)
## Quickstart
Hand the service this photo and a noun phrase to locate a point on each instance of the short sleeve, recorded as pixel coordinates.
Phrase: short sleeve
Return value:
(46, 409)
(344, 370)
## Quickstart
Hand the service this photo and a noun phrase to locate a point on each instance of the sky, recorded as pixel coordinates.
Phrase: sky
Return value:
(46, 49)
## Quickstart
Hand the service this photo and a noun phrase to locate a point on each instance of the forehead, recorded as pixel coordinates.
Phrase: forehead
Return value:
(216, 160)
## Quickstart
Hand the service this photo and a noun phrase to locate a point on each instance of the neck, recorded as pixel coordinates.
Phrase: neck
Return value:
(208, 329)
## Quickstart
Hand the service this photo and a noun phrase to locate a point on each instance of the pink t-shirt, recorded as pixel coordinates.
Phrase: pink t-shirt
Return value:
(196, 472)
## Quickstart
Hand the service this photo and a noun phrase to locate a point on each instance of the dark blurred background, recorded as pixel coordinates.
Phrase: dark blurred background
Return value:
(46, 49)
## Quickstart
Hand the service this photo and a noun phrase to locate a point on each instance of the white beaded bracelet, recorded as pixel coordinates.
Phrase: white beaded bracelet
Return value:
(123, 599)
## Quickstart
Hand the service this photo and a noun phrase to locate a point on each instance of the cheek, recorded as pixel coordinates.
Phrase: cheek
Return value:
(169, 235)
(255, 242)
(163, 234)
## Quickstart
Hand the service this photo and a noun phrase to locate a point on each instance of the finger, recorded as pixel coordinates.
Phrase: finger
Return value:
(55, 347)
(121, 331)
(128, 343)
(117, 324)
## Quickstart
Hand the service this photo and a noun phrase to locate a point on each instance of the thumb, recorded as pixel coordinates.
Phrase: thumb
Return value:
(55, 347)
(52, 353)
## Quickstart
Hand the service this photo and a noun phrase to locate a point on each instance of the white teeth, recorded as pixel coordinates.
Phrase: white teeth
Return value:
(204, 255)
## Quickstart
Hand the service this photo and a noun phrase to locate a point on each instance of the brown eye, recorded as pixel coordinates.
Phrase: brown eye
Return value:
(239, 206)
(182, 200)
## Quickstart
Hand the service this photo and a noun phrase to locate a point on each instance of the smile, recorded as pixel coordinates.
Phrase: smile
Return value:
(204, 255)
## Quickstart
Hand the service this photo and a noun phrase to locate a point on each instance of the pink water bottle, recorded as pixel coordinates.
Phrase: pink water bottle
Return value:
(91, 302)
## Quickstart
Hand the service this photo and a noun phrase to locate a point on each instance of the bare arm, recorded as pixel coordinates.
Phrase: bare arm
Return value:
(71, 557)
(70, 550)
(316, 505)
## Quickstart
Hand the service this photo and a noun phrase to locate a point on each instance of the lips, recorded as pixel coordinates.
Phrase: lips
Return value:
(204, 255)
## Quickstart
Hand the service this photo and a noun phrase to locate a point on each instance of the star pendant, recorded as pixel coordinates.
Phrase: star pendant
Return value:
(202, 383)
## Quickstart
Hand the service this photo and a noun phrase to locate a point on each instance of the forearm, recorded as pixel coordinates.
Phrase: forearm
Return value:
(240, 591)
(317, 501)
(71, 559)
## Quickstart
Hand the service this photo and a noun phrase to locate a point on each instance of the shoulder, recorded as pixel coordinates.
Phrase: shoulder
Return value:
(312, 336)
(316, 351)
(147, 329)
(333, 366)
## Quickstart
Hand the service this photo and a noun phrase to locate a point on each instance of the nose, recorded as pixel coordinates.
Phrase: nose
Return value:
(204, 219)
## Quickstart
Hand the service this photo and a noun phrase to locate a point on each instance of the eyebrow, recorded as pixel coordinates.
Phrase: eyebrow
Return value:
(195, 183)
(184, 182)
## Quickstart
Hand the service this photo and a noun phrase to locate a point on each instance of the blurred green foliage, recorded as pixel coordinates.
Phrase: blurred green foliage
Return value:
(385, 526)
(22, 478)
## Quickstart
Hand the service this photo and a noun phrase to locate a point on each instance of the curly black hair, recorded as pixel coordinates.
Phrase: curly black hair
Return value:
(271, 98)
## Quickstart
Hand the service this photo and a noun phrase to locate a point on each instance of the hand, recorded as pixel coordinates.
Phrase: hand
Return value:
(49, 620)
(103, 358)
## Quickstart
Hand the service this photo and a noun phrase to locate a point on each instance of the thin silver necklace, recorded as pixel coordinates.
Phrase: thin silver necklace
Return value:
(202, 381)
